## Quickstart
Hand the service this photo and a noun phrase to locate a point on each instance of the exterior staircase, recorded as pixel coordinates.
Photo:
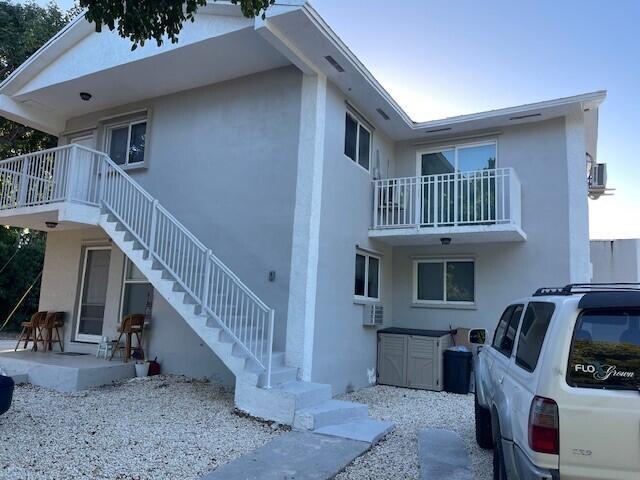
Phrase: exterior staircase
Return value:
(235, 324)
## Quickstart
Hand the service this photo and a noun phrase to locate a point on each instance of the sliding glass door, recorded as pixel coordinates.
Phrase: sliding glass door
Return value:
(460, 185)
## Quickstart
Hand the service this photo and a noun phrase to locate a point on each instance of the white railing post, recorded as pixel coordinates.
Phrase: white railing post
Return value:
(270, 347)
(24, 182)
(436, 200)
(206, 281)
(376, 199)
(418, 202)
(153, 228)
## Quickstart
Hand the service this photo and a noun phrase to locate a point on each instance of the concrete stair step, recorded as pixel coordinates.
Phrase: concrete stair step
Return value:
(362, 430)
(328, 413)
(279, 375)
(305, 394)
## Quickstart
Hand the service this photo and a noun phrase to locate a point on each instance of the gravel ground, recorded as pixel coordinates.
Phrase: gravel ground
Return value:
(158, 427)
(397, 456)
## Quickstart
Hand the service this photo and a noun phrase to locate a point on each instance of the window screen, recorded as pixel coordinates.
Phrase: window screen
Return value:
(360, 274)
(534, 329)
(605, 350)
(364, 148)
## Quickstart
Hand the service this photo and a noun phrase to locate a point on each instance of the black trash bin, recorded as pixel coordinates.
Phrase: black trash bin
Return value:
(6, 393)
(457, 371)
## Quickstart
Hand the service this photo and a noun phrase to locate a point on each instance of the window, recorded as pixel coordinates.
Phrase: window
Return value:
(126, 142)
(367, 284)
(137, 292)
(534, 329)
(444, 281)
(459, 158)
(505, 335)
(357, 142)
(605, 350)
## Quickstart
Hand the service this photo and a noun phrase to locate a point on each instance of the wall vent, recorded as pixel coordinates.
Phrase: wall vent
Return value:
(443, 129)
(333, 63)
(529, 115)
(382, 113)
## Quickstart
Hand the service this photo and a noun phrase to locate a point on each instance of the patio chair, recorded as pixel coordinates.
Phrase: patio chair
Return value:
(29, 331)
(52, 323)
(131, 325)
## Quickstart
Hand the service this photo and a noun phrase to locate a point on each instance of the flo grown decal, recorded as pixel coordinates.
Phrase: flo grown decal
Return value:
(605, 364)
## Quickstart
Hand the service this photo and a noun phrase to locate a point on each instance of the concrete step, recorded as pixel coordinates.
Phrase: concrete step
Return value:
(305, 394)
(328, 413)
(362, 430)
(279, 375)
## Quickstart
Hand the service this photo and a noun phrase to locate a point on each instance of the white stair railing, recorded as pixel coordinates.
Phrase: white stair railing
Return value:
(79, 174)
(482, 197)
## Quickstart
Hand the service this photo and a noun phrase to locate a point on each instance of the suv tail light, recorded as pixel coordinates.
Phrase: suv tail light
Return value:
(544, 426)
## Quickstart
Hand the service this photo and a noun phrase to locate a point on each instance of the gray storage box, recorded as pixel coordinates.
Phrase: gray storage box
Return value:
(411, 358)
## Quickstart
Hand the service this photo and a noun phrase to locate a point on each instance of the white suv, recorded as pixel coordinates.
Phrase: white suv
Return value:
(558, 389)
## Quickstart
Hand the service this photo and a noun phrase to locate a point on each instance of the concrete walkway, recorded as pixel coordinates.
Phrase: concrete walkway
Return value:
(293, 455)
(443, 454)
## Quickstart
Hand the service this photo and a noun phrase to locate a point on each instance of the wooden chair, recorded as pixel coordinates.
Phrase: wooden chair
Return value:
(52, 323)
(131, 325)
(30, 330)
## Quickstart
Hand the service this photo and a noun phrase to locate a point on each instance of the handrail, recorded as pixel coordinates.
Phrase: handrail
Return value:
(479, 197)
(80, 174)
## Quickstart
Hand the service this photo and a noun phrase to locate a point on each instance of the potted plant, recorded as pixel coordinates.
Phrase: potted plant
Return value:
(142, 367)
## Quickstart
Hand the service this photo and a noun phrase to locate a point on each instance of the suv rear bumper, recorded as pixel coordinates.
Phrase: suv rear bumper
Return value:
(527, 470)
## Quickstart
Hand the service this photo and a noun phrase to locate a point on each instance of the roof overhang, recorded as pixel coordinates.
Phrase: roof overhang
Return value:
(291, 33)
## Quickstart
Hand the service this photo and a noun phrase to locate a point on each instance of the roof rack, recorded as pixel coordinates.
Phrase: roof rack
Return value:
(576, 288)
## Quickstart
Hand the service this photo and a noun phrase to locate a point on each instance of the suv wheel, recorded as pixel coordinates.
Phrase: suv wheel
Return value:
(483, 425)
(499, 469)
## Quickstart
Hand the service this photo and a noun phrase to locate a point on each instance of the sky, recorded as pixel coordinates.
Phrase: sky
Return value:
(444, 58)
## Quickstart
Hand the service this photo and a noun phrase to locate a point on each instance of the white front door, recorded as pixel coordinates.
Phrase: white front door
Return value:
(93, 293)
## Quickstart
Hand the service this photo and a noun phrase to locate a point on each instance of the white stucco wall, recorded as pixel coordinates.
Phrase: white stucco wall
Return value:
(178, 348)
(615, 260)
(222, 159)
(344, 350)
(504, 271)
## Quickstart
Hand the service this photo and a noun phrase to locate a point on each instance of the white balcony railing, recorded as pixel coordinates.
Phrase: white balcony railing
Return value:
(483, 197)
(73, 173)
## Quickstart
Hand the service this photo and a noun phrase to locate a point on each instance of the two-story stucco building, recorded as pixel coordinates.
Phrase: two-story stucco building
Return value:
(260, 189)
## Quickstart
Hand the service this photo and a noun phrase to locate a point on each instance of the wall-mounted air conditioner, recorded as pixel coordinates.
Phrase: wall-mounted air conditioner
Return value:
(373, 314)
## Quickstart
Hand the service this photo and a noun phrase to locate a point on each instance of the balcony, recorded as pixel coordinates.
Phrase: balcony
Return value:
(57, 187)
(467, 207)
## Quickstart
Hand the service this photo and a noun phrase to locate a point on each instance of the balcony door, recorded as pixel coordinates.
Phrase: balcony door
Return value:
(82, 168)
(93, 293)
(458, 185)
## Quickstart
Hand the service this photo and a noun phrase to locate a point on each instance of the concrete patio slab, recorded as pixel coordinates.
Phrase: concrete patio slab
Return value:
(64, 373)
(443, 454)
(294, 455)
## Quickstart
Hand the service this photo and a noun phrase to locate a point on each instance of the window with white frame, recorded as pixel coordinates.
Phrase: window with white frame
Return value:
(367, 281)
(137, 292)
(357, 141)
(126, 142)
(444, 281)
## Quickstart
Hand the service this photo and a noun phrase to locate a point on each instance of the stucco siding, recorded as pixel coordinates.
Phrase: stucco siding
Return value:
(344, 352)
(503, 271)
(178, 348)
(222, 159)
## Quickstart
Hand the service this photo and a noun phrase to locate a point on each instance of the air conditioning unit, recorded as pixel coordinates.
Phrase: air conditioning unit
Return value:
(598, 181)
(599, 176)
(373, 314)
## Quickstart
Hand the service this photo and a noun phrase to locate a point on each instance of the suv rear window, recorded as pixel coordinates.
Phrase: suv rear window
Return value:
(605, 350)
(534, 328)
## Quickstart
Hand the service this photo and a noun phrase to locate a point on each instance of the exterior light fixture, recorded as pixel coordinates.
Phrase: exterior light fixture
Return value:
(445, 241)
(51, 224)
(85, 96)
